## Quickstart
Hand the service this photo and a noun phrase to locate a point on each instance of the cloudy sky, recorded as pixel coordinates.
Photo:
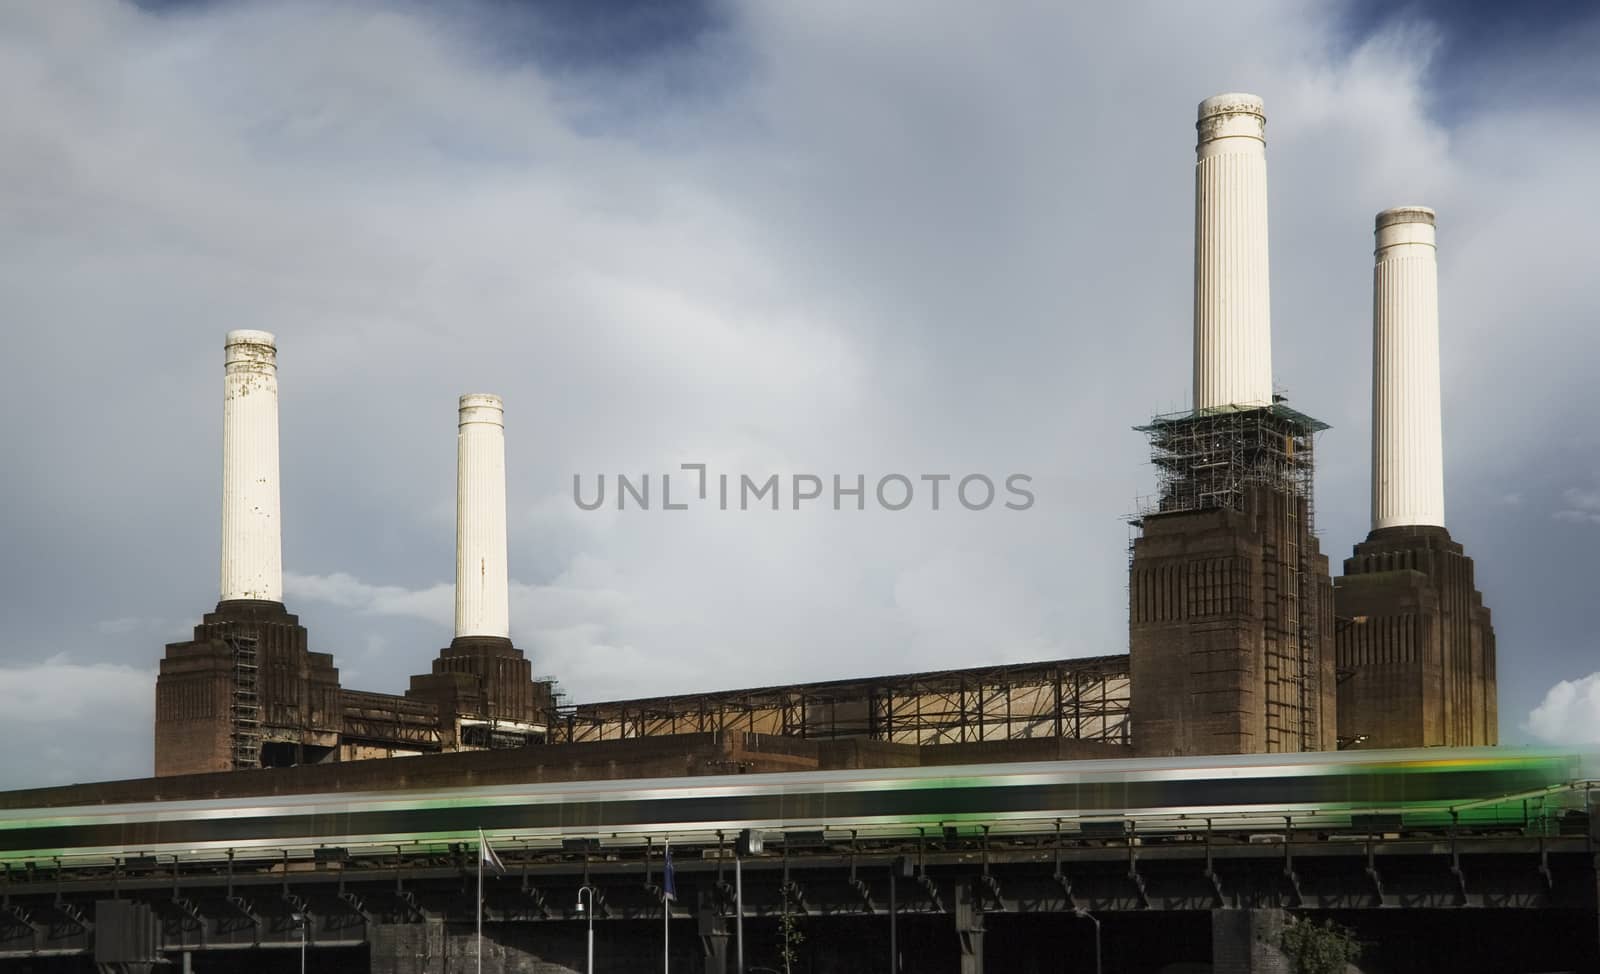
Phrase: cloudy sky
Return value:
(820, 237)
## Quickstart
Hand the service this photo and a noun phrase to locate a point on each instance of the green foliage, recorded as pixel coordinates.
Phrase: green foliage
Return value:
(1318, 948)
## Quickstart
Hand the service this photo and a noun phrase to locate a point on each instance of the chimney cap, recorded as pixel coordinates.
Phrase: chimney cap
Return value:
(473, 400)
(1233, 103)
(1404, 214)
(250, 336)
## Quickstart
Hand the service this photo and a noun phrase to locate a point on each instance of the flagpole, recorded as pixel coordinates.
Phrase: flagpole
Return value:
(480, 901)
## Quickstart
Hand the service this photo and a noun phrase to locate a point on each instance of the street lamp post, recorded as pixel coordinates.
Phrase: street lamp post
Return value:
(749, 844)
(894, 945)
(1085, 914)
(302, 920)
(738, 919)
(590, 890)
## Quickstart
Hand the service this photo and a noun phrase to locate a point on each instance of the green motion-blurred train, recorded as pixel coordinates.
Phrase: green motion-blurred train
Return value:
(1330, 792)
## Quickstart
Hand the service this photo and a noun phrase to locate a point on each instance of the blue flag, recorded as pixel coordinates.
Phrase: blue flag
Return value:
(669, 880)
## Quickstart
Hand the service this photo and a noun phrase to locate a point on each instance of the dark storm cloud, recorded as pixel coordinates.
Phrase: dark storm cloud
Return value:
(773, 239)
(1488, 51)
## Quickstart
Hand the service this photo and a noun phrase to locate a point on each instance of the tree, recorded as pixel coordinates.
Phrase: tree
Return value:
(790, 929)
(1314, 948)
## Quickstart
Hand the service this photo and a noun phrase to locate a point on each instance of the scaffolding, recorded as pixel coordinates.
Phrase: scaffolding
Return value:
(1078, 699)
(1211, 458)
(1260, 460)
(245, 712)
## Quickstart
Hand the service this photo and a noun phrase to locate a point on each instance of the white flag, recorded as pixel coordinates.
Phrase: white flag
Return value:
(489, 858)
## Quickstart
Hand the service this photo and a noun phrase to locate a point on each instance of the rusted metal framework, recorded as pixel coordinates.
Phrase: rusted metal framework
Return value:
(1078, 699)
(389, 720)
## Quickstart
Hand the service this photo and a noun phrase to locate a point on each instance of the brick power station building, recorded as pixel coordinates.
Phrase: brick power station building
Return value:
(1239, 639)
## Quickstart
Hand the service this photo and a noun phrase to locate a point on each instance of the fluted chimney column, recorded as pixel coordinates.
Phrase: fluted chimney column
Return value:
(1232, 306)
(482, 604)
(252, 545)
(1407, 450)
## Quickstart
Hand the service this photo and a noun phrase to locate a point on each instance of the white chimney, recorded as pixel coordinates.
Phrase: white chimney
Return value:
(482, 604)
(252, 544)
(1407, 450)
(1232, 308)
